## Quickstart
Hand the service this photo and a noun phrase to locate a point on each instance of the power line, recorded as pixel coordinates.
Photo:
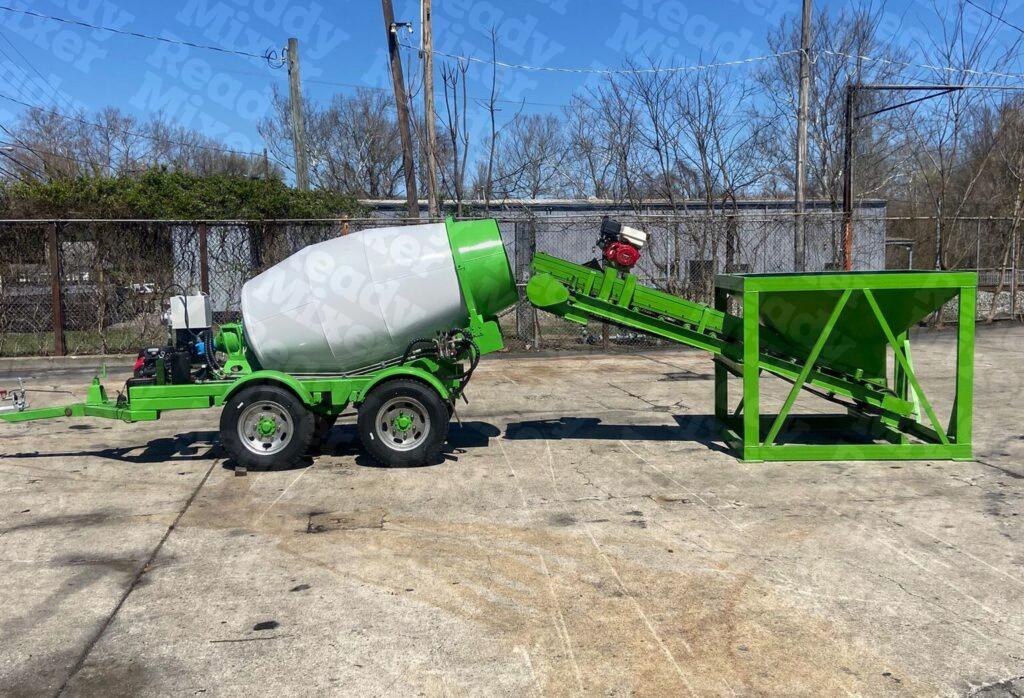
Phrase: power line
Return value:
(19, 143)
(13, 175)
(996, 17)
(23, 166)
(707, 66)
(170, 141)
(24, 84)
(924, 66)
(374, 88)
(53, 90)
(40, 153)
(28, 82)
(137, 35)
(606, 71)
(125, 131)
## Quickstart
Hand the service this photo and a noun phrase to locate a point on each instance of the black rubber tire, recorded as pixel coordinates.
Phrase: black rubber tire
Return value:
(425, 452)
(302, 434)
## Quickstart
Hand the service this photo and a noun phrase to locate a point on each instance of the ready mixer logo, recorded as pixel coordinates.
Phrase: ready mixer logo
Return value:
(668, 31)
(197, 91)
(73, 47)
(68, 44)
(463, 28)
(250, 25)
(325, 294)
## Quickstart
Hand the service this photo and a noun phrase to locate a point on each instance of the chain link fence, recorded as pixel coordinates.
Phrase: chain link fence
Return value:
(100, 286)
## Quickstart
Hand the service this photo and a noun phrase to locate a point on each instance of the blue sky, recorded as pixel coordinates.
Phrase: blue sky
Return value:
(342, 46)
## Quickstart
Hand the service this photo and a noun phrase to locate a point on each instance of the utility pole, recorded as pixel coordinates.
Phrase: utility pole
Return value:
(427, 44)
(849, 119)
(266, 166)
(799, 239)
(298, 122)
(402, 109)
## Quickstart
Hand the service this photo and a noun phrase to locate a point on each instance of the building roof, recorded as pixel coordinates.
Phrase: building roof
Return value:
(614, 205)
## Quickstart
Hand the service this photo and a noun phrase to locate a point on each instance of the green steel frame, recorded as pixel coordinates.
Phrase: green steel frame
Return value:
(325, 395)
(748, 347)
(754, 437)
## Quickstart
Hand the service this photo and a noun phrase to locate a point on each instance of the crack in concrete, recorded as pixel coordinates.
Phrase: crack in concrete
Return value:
(590, 483)
(87, 650)
(641, 398)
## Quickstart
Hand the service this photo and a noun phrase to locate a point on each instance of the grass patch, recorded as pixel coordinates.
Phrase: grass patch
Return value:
(109, 341)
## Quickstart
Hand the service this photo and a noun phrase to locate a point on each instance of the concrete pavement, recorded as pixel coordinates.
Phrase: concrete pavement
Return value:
(584, 535)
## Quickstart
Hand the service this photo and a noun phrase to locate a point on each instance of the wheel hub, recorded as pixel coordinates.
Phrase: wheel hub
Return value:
(265, 427)
(403, 422)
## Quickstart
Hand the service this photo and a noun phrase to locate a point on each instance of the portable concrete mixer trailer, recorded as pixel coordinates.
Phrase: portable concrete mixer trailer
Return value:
(393, 321)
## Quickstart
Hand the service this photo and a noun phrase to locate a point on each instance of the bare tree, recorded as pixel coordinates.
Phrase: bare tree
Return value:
(839, 38)
(456, 128)
(589, 165)
(721, 136)
(531, 158)
(941, 129)
(52, 144)
(353, 142)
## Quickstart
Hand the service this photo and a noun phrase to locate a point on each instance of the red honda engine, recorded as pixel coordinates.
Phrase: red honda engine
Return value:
(622, 254)
(620, 244)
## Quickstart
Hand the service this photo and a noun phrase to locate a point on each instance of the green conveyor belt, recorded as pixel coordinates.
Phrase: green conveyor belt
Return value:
(580, 293)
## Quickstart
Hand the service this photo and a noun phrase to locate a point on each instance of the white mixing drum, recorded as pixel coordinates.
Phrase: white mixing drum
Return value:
(354, 300)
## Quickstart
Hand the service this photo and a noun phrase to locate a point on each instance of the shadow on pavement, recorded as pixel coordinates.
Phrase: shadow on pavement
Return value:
(184, 447)
(703, 429)
(461, 438)
(203, 445)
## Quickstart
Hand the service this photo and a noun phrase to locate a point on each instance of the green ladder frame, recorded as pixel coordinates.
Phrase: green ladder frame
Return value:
(753, 436)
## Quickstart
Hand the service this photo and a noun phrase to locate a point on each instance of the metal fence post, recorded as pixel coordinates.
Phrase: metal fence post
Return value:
(1013, 273)
(56, 299)
(204, 259)
(532, 250)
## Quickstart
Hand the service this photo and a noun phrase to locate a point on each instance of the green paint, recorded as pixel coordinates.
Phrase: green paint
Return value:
(485, 278)
(402, 423)
(482, 264)
(808, 365)
(266, 427)
(230, 339)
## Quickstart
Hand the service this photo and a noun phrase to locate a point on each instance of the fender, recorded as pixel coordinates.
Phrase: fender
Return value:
(289, 381)
(402, 372)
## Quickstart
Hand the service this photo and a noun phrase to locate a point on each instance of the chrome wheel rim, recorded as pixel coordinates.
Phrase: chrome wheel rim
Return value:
(402, 423)
(265, 428)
